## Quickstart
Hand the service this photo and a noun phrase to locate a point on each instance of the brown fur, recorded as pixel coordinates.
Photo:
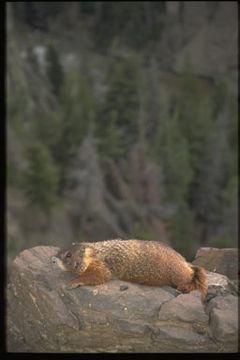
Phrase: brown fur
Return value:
(145, 262)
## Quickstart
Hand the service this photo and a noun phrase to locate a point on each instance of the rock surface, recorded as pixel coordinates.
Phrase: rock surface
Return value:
(222, 261)
(44, 316)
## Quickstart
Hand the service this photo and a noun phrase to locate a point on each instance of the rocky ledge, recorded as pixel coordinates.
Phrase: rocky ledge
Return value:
(44, 316)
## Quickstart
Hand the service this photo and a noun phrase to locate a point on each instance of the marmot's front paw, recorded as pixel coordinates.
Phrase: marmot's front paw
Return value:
(74, 284)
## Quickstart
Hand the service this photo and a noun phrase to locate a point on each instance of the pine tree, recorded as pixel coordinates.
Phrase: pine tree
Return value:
(194, 118)
(111, 143)
(170, 150)
(63, 128)
(219, 168)
(121, 20)
(122, 102)
(40, 178)
(180, 228)
(54, 70)
(76, 113)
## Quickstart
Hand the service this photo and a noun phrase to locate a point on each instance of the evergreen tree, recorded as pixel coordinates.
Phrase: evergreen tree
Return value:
(219, 168)
(111, 143)
(40, 178)
(180, 228)
(75, 115)
(63, 128)
(122, 19)
(194, 118)
(170, 150)
(37, 14)
(208, 203)
(180, 145)
(232, 135)
(229, 225)
(122, 103)
(54, 70)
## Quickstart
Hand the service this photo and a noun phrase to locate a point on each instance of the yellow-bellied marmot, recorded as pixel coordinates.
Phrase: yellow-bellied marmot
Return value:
(144, 262)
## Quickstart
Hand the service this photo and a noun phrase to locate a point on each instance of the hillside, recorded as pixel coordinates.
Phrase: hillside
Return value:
(122, 122)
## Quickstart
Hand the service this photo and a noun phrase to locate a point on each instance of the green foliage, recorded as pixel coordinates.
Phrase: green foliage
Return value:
(47, 127)
(19, 10)
(15, 110)
(63, 129)
(229, 213)
(192, 146)
(76, 107)
(122, 19)
(170, 150)
(213, 171)
(232, 105)
(87, 7)
(230, 192)
(194, 118)
(143, 232)
(219, 98)
(111, 142)
(37, 14)
(137, 24)
(11, 176)
(123, 93)
(120, 112)
(76, 113)
(33, 59)
(40, 178)
(220, 242)
(54, 70)
(180, 229)
(13, 246)
(85, 97)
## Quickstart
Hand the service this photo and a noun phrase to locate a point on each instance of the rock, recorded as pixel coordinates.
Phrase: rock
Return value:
(44, 316)
(223, 312)
(123, 287)
(223, 303)
(219, 284)
(222, 261)
(185, 307)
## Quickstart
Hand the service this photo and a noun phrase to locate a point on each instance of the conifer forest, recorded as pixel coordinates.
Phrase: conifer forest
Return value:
(121, 122)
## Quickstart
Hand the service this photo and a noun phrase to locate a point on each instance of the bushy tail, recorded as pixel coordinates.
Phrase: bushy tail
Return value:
(199, 281)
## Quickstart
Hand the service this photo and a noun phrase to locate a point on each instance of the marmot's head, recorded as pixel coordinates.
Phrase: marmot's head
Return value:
(75, 258)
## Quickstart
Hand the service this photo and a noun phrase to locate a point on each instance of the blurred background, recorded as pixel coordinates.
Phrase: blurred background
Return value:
(121, 122)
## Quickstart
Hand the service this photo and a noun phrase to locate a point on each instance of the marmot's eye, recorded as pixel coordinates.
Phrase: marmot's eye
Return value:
(76, 265)
(68, 254)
